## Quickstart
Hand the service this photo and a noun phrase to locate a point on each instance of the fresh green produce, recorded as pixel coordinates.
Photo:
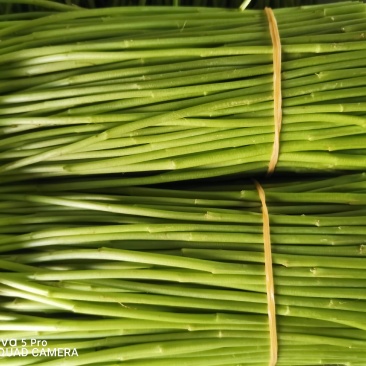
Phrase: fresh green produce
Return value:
(12, 6)
(175, 275)
(165, 94)
(129, 232)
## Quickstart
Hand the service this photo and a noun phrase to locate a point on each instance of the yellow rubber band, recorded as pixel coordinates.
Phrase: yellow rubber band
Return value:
(277, 89)
(269, 277)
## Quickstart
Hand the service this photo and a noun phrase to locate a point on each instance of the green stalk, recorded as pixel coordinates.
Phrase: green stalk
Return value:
(44, 4)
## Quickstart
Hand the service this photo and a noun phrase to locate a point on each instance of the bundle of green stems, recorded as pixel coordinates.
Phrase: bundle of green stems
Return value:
(18, 6)
(130, 229)
(165, 94)
(175, 275)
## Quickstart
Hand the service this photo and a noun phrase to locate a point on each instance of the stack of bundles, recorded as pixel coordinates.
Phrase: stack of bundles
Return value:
(175, 276)
(128, 235)
(167, 94)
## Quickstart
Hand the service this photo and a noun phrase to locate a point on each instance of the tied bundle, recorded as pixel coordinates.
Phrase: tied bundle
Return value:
(19, 6)
(166, 94)
(175, 276)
